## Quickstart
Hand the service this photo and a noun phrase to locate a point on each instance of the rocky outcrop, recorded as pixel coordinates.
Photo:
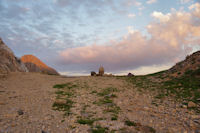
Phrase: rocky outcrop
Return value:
(101, 71)
(192, 62)
(130, 75)
(8, 61)
(36, 65)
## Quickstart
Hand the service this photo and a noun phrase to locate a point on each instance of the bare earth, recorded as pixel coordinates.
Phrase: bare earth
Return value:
(26, 101)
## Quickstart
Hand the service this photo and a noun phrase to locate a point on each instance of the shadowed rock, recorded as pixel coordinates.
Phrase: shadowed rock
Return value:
(130, 75)
(8, 61)
(93, 73)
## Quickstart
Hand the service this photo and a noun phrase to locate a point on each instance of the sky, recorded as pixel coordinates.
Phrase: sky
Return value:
(77, 36)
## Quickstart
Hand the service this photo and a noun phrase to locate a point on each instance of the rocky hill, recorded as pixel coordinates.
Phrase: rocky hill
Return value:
(36, 65)
(8, 61)
(191, 63)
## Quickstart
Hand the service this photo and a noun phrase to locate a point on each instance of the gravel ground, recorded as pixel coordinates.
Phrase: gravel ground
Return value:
(99, 104)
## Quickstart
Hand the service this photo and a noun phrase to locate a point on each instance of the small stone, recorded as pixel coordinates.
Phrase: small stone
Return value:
(109, 104)
(43, 131)
(109, 95)
(43, 127)
(146, 108)
(20, 112)
(195, 116)
(184, 106)
(191, 104)
(84, 114)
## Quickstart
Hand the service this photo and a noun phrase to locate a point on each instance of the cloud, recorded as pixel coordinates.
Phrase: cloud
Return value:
(185, 1)
(151, 1)
(170, 38)
(196, 9)
(132, 3)
(130, 30)
(131, 15)
(160, 16)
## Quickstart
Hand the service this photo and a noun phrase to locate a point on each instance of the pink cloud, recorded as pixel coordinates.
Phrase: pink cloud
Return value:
(168, 41)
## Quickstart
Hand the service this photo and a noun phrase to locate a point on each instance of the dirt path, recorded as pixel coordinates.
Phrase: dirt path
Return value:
(85, 104)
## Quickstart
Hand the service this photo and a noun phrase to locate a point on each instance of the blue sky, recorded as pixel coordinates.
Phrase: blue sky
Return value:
(69, 35)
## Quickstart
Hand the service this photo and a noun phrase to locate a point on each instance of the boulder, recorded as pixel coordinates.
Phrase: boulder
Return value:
(93, 73)
(130, 75)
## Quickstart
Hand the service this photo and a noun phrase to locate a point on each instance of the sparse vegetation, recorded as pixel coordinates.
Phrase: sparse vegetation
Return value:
(113, 109)
(114, 117)
(106, 91)
(63, 106)
(99, 129)
(66, 85)
(93, 92)
(130, 123)
(60, 86)
(64, 93)
(183, 88)
(86, 121)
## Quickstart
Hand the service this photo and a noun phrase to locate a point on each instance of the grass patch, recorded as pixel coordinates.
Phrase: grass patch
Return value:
(66, 85)
(183, 88)
(60, 86)
(64, 93)
(86, 121)
(130, 123)
(93, 92)
(105, 101)
(114, 117)
(99, 129)
(106, 91)
(65, 103)
(113, 109)
(63, 106)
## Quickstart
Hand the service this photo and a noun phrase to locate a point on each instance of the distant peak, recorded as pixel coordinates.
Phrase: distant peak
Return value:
(32, 62)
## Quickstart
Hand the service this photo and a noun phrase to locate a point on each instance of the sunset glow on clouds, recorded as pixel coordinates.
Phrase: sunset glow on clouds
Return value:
(139, 36)
(172, 35)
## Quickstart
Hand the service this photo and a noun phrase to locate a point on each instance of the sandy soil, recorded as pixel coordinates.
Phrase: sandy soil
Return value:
(26, 101)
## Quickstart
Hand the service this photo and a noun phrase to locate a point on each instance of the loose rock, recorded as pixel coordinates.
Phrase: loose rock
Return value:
(191, 104)
(20, 112)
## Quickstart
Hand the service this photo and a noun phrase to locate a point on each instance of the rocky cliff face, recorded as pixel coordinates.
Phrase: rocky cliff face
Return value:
(8, 61)
(192, 62)
(35, 65)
